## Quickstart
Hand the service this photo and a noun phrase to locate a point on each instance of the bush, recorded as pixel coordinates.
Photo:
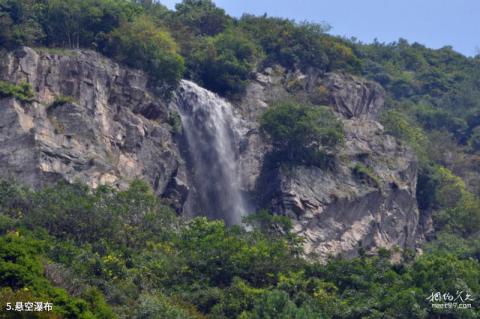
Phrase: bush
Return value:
(401, 126)
(225, 62)
(75, 212)
(175, 122)
(83, 24)
(436, 119)
(202, 268)
(474, 140)
(458, 209)
(275, 304)
(340, 54)
(22, 91)
(366, 175)
(61, 100)
(159, 307)
(287, 43)
(141, 44)
(22, 279)
(301, 133)
(19, 23)
(202, 16)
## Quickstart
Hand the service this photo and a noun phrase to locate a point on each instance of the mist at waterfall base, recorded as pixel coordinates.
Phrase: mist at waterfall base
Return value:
(211, 135)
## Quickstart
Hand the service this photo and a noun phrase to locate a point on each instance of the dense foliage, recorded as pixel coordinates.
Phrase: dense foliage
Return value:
(301, 133)
(118, 28)
(22, 92)
(214, 44)
(107, 254)
(220, 52)
(224, 62)
(141, 44)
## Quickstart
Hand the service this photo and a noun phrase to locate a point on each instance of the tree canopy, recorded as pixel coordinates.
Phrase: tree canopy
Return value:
(123, 254)
(301, 132)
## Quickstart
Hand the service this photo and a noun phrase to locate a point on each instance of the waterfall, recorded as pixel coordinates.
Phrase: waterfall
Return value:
(211, 133)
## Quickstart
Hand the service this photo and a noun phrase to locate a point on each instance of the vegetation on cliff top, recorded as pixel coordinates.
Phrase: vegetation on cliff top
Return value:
(301, 133)
(220, 52)
(23, 91)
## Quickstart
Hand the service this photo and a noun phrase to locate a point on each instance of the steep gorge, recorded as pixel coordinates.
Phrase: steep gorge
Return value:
(115, 128)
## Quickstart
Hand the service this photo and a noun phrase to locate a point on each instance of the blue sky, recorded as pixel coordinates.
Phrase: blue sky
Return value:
(435, 23)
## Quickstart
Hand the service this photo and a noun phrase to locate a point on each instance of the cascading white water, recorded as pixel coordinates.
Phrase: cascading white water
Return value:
(211, 132)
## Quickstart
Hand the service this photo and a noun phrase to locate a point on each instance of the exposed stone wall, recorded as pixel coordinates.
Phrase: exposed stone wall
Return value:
(112, 129)
(336, 210)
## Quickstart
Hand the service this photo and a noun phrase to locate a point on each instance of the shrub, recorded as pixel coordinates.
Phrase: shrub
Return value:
(301, 133)
(205, 269)
(287, 43)
(365, 174)
(143, 45)
(435, 119)
(225, 62)
(21, 270)
(275, 304)
(159, 307)
(340, 54)
(127, 218)
(175, 121)
(22, 91)
(401, 126)
(61, 100)
(203, 16)
(459, 209)
(474, 140)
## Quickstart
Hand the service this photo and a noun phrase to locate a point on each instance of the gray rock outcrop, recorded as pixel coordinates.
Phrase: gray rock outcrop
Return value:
(366, 200)
(91, 121)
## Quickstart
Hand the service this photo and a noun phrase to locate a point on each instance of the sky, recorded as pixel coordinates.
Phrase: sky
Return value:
(434, 23)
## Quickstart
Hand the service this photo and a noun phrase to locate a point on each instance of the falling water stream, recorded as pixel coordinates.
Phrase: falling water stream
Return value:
(211, 135)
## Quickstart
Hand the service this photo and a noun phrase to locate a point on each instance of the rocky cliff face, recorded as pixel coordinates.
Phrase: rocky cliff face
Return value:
(367, 199)
(113, 128)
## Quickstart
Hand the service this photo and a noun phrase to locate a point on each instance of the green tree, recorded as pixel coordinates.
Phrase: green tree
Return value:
(19, 22)
(75, 24)
(159, 306)
(274, 304)
(22, 278)
(202, 16)
(403, 127)
(287, 43)
(301, 132)
(225, 62)
(143, 45)
(458, 209)
(64, 23)
(474, 140)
